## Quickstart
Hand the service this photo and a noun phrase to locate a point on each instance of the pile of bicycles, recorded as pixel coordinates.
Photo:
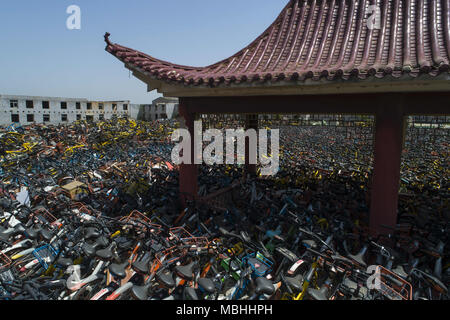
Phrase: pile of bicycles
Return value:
(301, 235)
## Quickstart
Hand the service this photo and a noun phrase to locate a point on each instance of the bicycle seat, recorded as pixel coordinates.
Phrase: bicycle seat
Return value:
(166, 279)
(185, 272)
(318, 294)
(264, 286)
(118, 270)
(140, 292)
(296, 282)
(91, 233)
(190, 294)
(64, 262)
(207, 285)
(33, 232)
(141, 266)
(89, 249)
(46, 234)
(105, 254)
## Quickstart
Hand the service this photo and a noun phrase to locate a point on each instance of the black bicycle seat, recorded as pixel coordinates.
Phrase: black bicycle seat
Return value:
(141, 266)
(264, 286)
(166, 279)
(185, 272)
(105, 254)
(318, 294)
(207, 285)
(33, 232)
(118, 270)
(46, 234)
(296, 282)
(140, 292)
(190, 294)
(64, 262)
(91, 233)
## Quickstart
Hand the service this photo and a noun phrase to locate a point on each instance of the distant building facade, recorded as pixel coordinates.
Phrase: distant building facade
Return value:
(160, 109)
(56, 110)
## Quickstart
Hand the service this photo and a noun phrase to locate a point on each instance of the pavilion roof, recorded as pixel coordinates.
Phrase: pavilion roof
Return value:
(322, 40)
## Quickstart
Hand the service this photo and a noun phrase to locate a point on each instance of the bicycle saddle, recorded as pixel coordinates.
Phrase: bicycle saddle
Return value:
(141, 265)
(105, 254)
(118, 270)
(166, 279)
(91, 232)
(64, 262)
(46, 234)
(186, 272)
(190, 294)
(5, 235)
(33, 232)
(89, 249)
(318, 294)
(296, 282)
(264, 286)
(140, 292)
(207, 285)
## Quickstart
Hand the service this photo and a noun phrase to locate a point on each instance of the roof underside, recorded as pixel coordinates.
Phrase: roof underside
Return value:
(322, 41)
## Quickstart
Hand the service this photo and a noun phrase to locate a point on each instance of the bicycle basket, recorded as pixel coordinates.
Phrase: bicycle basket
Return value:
(5, 262)
(45, 255)
(187, 238)
(392, 286)
(140, 221)
(260, 265)
(44, 216)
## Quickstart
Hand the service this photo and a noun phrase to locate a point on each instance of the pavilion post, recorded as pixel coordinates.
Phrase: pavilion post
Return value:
(251, 122)
(387, 162)
(188, 182)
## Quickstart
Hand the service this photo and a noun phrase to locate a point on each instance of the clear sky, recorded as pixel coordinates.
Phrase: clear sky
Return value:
(40, 56)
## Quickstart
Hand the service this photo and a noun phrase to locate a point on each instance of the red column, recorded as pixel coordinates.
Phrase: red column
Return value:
(386, 176)
(188, 172)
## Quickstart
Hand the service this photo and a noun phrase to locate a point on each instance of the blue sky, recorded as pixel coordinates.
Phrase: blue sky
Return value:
(40, 56)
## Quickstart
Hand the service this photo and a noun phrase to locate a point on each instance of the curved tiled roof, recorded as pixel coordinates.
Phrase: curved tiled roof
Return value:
(324, 39)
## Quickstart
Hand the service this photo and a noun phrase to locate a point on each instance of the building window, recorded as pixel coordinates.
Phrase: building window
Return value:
(46, 117)
(14, 103)
(100, 106)
(45, 105)
(15, 118)
(163, 116)
(101, 117)
(78, 116)
(63, 105)
(125, 107)
(64, 117)
(89, 118)
(30, 117)
(156, 117)
(114, 107)
(30, 104)
(89, 106)
(78, 105)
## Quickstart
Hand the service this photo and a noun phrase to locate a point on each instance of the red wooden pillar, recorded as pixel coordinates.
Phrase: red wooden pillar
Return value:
(387, 161)
(251, 122)
(188, 172)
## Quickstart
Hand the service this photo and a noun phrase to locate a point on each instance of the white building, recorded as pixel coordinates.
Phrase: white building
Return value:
(55, 110)
(161, 108)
